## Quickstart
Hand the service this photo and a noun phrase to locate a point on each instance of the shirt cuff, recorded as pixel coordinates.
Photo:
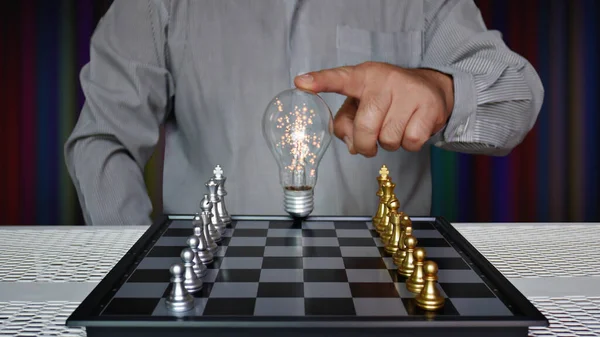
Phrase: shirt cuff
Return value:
(460, 125)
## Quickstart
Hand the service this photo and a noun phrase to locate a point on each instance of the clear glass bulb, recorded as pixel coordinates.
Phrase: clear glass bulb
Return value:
(298, 127)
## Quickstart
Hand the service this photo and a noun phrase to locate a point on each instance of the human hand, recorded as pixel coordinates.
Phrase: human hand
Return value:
(386, 104)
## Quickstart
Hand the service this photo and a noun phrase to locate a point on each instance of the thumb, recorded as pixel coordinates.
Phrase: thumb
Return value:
(347, 81)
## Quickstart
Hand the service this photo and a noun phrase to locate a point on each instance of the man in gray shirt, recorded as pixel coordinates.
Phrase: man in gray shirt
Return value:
(404, 75)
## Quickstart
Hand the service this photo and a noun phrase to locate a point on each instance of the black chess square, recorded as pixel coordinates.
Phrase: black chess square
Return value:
(229, 307)
(245, 251)
(373, 289)
(329, 307)
(202, 293)
(413, 309)
(467, 290)
(165, 251)
(422, 225)
(319, 233)
(131, 306)
(321, 251)
(325, 275)
(224, 241)
(178, 232)
(432, 242)
(250, 232)
(356, 242)
(283, 262)
(451, 263)
(238, 275)
(285, 224)
(364, 263)
(280, 289)
(150, 275)
(284, 242)
(350, 225)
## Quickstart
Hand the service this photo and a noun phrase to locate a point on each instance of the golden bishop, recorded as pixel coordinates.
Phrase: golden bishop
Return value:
(393, 206)
(391, 246)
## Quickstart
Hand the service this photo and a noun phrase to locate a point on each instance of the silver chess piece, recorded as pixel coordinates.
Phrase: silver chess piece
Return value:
(207, 209)
(191, 282)
(214, 199)
(179, 298)
(205, 255)
(199, 268)
(220, 179)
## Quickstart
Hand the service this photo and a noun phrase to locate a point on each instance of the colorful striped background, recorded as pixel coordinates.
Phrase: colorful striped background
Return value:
(552, 176)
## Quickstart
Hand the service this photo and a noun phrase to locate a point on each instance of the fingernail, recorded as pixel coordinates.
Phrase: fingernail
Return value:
(306, 78)
(348, 143)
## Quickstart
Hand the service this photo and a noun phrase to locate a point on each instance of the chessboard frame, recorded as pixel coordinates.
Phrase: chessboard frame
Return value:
(87, 314)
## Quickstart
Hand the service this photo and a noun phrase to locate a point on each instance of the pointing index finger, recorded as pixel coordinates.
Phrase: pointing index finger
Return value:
(346, 80)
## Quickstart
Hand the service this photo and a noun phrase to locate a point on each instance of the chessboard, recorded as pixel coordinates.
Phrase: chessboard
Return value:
(389, 274)
(287, 274)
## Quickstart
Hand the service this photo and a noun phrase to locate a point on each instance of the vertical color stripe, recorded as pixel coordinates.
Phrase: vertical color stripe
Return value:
(502, 210)
(11, 110)
(576, 129)
(557, 94)
(66, 106)
(542, 193)
(28, 136)
(590, 108)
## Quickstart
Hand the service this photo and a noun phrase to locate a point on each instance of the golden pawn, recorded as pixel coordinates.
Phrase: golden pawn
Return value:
(392, 244)
(400, 254)
(393, 206)
(430, 298)
(383, 177)
(388, 191)
(416, 282)
(407, 266)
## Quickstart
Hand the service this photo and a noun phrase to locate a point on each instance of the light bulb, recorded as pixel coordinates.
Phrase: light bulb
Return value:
(298, 127)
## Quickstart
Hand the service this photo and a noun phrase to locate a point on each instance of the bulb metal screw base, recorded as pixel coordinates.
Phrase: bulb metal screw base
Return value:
(298, 203)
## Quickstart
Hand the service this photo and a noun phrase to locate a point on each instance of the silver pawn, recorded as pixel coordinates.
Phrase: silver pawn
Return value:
(179, 298)
(197, 220)
(199, 267)
(214, 199)
(191, 282)
(220, 179)
(207, 207)
(206, 256)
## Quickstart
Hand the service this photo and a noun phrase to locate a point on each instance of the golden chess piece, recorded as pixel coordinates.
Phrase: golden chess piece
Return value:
(430, 297)
(407, 266)
(415, 282)
(400, 254)
(393, 206)
(391, 246)
(383, 177)
(388, 192)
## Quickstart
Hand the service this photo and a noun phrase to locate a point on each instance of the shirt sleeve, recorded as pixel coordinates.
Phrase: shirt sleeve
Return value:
(497, 93)
(127, 90)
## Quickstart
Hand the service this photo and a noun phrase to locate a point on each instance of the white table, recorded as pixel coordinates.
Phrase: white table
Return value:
(45, 272)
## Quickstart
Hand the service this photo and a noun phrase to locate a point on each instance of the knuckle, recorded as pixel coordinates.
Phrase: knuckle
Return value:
(391, 136)
(413, 139)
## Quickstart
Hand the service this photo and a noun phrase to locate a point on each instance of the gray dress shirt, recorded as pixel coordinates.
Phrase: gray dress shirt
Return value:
(207, 69)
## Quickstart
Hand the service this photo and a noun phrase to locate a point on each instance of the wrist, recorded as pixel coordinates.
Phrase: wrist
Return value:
(444, 85)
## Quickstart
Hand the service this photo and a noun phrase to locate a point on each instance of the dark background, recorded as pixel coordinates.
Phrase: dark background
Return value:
(552, 176)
